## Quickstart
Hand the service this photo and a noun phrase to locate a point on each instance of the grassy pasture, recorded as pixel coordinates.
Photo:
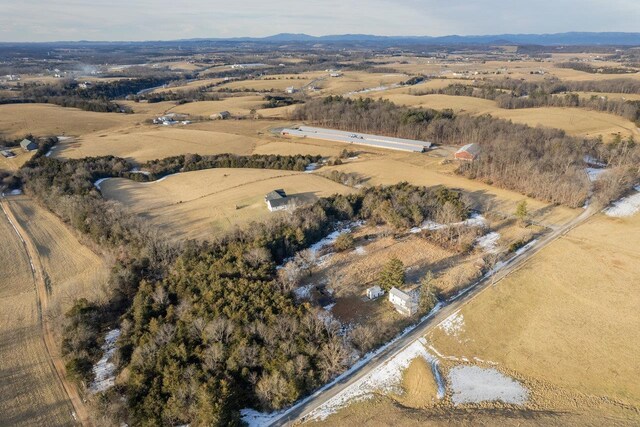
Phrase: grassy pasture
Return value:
(17, 120)
(150, 143)
(205, 203)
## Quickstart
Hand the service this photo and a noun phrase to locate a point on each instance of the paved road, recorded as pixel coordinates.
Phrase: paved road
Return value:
(304, 408)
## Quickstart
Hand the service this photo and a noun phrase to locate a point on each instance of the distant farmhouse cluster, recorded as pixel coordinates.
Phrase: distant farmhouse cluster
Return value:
(171, 119)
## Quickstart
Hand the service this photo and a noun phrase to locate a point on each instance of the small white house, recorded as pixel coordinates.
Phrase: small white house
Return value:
(404, 302)
(291, 89)
(375, 292)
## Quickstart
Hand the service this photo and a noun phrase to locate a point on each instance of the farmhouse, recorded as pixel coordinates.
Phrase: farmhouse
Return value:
(469, 152)
(291, 89)
(276, 200)
(374, 292)
(28, 145)
(404, 302)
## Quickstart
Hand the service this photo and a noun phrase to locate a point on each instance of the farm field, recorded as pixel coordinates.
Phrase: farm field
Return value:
(72, 270)
(203, 204)
(353, 81)
(154, 142)
(30, 393)
(236, 105)
(277, 82)
(17, 120)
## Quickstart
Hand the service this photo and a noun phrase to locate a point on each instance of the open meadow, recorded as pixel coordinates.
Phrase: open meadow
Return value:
(202, 204)
(17, 120)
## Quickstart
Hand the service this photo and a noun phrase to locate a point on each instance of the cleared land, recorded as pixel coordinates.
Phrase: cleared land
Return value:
(567, 322)
(154, 142)
(204, 203)
(236, 105)
(17, 120)
(30, 393)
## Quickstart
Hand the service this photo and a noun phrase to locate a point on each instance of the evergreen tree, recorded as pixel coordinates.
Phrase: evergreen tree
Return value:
(392, 275)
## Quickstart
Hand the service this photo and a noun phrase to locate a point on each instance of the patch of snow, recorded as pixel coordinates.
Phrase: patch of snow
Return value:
(489, 242)
(627, 206)
(473, 384)
(63, 138)
(303, 292)
(311, 167)
(359, 250)
(385, 378)
(594, 162)
(372, 89)
(594, 173)
(12, 193)
(104, 370)
(475, 220)
(453, 325)
(329, 307)
(254, 418)
(100, 181)
(331, 238)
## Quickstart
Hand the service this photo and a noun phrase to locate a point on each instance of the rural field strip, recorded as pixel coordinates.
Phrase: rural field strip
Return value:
(79, 411)
(301, 410)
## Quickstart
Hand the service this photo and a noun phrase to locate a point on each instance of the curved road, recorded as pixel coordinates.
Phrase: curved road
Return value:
(301, 410)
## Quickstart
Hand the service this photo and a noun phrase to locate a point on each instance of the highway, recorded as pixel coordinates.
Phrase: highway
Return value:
(378, 141)
(302, 409)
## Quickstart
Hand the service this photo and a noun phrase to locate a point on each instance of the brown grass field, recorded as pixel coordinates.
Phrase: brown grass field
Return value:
(205, 203)
(236, 105)
(14, 163)
(566, 321)
(30, 393)
(154, 142)
(17, 120)
(72, 270)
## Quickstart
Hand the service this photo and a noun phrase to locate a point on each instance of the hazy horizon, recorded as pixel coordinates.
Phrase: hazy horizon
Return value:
(143, 20)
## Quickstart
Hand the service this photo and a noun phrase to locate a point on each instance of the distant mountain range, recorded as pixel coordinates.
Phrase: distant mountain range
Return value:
(571, 38)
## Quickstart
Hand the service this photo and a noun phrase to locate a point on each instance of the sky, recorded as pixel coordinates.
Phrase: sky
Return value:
(55, 20)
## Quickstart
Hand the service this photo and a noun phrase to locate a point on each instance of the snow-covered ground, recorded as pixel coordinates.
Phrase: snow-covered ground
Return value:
(100, 181)
(311, 167)
(453, 325)
(473, 384)
(372, 89)
(360, 250)
(12, 193)
(475, 220)
(104, 370)
(331, 238)
(627, 206)
(385, 378)
(594, 173)
(489, 242)
(303, 292)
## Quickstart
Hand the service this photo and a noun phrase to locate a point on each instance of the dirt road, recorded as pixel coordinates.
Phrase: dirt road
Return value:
(79, 410)
(298, 412)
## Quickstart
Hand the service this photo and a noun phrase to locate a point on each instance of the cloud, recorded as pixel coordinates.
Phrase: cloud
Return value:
(44, 20)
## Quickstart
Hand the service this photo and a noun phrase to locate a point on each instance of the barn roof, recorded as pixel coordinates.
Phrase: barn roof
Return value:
(25, 143)
(473, 149)
(275, 195)
(401, 295)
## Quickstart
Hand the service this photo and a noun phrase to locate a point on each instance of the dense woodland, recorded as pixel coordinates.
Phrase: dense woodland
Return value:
(210, 328)
(543, 163)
